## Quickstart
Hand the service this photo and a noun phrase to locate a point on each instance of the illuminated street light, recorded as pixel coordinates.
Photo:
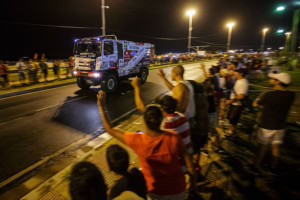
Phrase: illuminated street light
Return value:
(265, 30)
(280, 30)
(190, 13)
(229, 25)
(288, 34)
(280, 8)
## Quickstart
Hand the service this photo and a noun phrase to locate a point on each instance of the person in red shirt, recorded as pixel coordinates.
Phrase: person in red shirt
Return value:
(159, 154)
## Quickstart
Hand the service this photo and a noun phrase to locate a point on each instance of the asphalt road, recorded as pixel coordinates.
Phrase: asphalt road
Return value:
(35, 125)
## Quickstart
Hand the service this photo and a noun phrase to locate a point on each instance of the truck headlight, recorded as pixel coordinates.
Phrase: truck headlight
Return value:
(96, 75)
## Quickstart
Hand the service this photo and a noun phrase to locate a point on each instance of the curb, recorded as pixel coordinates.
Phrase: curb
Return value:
(35, 89)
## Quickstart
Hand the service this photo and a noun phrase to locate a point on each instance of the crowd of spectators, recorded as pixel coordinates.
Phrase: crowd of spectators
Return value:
(178, 128)
(34, 71)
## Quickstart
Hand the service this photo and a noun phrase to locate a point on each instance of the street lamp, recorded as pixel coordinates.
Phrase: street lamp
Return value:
(230, 25)
(280, 30)
(265, 30)
(280, 8)
(190, 13)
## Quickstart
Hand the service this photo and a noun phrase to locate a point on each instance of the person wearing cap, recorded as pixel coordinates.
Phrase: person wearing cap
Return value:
(275, 107)
(238, 93)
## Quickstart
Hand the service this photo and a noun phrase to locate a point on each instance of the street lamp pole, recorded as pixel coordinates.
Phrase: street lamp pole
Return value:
(265, 30)
(190, 13)
(294, 32)
(287, 46)
(103, 16)
(230, 25)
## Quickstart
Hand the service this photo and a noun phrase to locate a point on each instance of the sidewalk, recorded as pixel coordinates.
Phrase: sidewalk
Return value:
(16, 87)
(227, 174)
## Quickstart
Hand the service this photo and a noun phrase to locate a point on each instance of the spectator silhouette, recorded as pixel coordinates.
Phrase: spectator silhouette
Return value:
(4, 74)
(44, 67)
(87, 182)
(130, 184)
(21, 70)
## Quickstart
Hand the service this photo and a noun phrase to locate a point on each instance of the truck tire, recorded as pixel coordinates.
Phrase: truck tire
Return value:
(110, 84)
(82, 83)
(143, 75)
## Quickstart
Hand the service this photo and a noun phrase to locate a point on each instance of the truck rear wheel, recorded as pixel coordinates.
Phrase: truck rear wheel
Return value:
(82, 83)
(143, 75)
(111, 84)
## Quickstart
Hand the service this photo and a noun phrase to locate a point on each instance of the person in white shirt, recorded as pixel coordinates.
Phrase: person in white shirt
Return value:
(21, 70)
(238, 93)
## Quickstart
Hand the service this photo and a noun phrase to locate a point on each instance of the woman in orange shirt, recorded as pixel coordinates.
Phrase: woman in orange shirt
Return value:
(159, 154)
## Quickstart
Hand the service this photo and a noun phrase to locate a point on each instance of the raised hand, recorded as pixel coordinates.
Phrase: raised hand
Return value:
(101, 98)
(136, 82)
(161, 73)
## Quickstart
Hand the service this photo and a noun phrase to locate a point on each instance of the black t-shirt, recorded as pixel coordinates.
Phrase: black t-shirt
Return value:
(211, 104)
(276, 105)
(134, 181)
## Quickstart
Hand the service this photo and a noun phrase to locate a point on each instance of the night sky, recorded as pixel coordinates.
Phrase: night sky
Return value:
(161, 22)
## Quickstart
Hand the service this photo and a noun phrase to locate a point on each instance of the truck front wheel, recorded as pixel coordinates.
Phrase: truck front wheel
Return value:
(110, 84)
(143, 75)
(82, 83)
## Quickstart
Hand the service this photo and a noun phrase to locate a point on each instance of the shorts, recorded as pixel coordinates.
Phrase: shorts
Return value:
(198, 141)
(180, 196)
(213, 120)
(234, 114)
(266, 136)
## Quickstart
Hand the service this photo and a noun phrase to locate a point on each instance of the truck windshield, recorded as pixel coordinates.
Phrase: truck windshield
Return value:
(88, 48)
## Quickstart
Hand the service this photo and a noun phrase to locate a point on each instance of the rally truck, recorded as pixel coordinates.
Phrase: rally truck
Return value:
(105, 61)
